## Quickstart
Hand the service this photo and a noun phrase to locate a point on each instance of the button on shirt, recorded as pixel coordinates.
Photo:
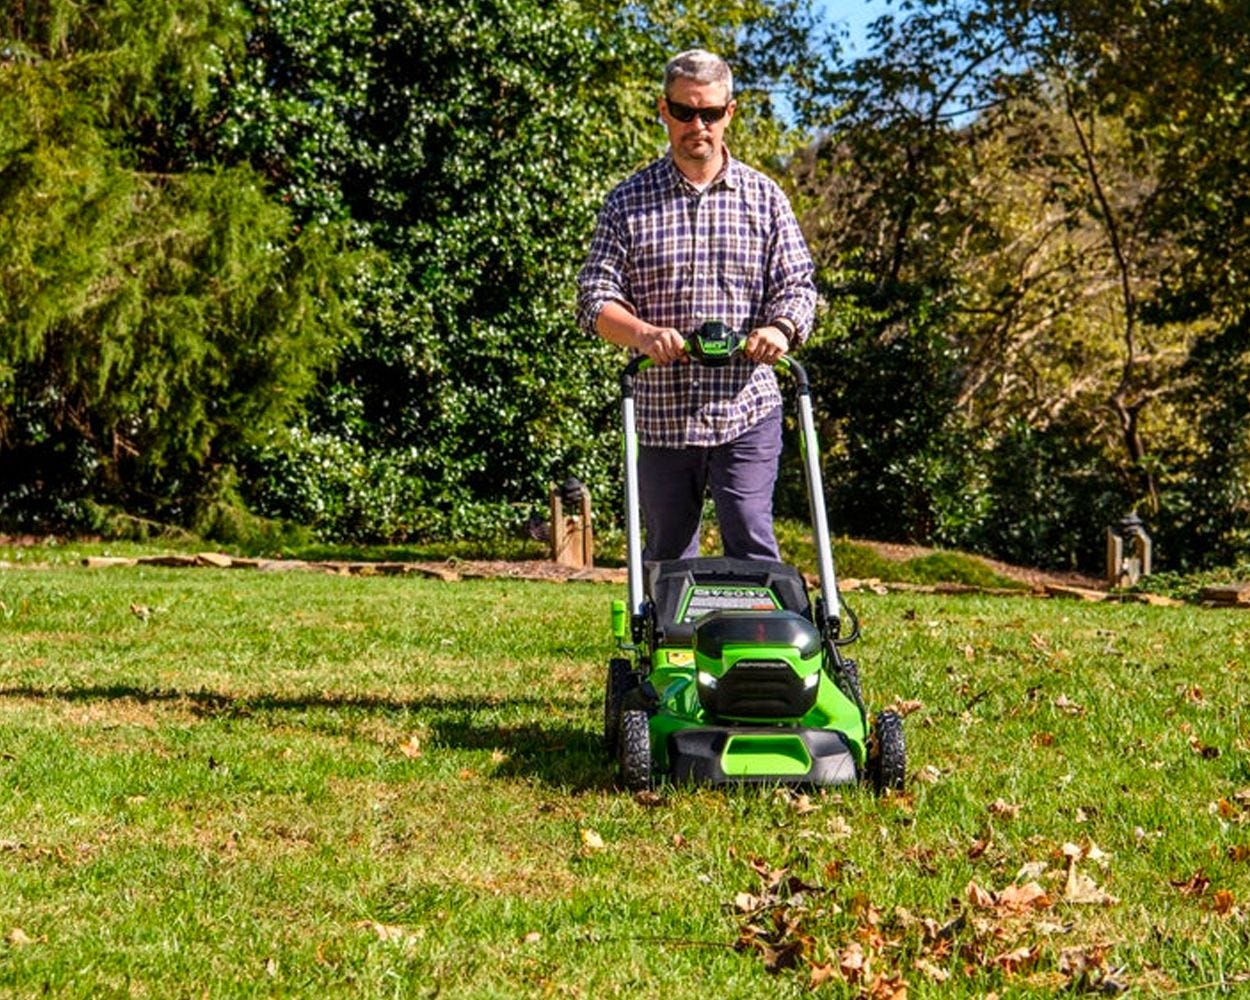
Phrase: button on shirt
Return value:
(678, 257)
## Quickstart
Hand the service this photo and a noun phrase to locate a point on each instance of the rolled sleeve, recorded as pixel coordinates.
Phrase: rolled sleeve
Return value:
(791, 285)
(602, 278)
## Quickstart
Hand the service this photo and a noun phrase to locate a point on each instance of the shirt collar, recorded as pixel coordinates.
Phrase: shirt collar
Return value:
(727, 175)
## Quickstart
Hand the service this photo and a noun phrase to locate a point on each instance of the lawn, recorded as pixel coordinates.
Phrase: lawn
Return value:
(233, 783)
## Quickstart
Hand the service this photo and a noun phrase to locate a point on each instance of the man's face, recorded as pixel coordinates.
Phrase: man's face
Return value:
(696, 141)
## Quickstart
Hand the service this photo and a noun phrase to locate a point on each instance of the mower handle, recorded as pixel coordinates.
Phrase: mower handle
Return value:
(714, 344)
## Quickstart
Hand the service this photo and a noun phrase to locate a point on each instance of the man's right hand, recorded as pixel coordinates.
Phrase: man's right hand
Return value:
(663, 345)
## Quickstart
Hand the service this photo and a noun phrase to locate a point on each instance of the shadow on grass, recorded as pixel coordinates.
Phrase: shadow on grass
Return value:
(557, 754)
(551, 751)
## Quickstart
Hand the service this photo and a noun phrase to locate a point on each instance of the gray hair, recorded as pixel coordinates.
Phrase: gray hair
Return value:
(700, 66)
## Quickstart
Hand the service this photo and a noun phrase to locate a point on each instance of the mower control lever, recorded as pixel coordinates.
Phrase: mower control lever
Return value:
(714, 343)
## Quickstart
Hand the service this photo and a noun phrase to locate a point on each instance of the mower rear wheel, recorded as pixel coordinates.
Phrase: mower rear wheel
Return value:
(887, 756)
(634, 750)
(620, 680)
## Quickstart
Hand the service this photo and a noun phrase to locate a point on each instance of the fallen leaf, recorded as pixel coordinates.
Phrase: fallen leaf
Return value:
(1203, 750)
(852, 962)
(1082, 890)
(498, 757)
(802, 804)
(839, 827)
(1043, 739)
(821, 973)
(1017, 959)
(745, 902)
(411, 747)
(1031, 870)
(1000, 808)
(979, 897)
(649, 798)
(1222, 902)
(1195, 885)
(1024, 897)
(18, 938)
(533, 937)
(931, 971)
(1239, 852)
(591, 840)
(928, 774)
(1065, 704)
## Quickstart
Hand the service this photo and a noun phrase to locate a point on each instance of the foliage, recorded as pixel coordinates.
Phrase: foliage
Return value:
(467, 142)
(1013, 169)
(156, 323)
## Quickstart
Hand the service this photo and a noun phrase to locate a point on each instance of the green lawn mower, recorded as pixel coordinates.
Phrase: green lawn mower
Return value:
(728, 672)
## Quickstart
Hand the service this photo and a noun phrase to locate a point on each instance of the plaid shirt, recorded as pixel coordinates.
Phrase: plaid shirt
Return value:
(676, 258)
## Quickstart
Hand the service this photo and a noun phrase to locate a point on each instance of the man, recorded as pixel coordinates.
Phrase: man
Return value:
(698, 236)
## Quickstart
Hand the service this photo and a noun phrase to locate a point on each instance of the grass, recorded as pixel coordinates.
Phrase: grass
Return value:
(231, 783)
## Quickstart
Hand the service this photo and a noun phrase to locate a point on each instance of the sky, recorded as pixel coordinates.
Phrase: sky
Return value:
(855, 15)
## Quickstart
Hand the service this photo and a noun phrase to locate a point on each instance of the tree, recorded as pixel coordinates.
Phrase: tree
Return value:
(157, 322)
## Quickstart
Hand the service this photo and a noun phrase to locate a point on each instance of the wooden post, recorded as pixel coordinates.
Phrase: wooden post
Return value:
(572, 538)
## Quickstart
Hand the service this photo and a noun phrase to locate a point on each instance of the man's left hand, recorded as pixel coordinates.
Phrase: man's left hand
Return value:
(766, 345)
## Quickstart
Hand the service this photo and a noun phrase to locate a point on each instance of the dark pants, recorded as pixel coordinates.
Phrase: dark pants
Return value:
(741, 475)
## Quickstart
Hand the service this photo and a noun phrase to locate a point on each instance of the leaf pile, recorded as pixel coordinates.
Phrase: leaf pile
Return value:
(846, 941)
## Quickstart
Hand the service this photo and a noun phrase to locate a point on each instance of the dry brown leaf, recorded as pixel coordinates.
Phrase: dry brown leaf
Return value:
(931, 971)
(1065, 704)
(1203, 750)
(979, 847)
(1223, 902)
(411, 747)
(853, 962)
(1024, 897)
(591, 841)
(1043, 739)
(979, 897)
(1195, 885)
(840, 828)
(1001, 808)
(18, 938)
(1239, 852)
(1017, 959)
(745, 902)
(1082, 890)
(821, 973)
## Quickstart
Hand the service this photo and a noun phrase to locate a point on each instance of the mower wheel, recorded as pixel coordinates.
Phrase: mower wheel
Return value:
(887, 754)
(849, 682)
(620, 680)
(634, 750)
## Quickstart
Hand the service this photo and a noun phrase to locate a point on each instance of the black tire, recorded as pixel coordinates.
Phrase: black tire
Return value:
(634, 750)
(849, 682)
(620, 680)
(887, 754)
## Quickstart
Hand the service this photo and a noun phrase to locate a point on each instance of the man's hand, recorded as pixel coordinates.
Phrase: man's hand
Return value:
(766, 345)
(663, 345)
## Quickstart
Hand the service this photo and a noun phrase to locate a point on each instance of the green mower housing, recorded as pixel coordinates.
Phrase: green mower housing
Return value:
(728, 671)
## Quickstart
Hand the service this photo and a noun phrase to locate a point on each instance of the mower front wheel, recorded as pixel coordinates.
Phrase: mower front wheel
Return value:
(634, 750)
(887, 757)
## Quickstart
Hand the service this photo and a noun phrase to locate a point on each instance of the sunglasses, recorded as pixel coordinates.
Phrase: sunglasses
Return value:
(685, 113)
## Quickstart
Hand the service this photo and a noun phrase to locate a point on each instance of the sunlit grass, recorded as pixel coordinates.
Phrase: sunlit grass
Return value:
(233, 783)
